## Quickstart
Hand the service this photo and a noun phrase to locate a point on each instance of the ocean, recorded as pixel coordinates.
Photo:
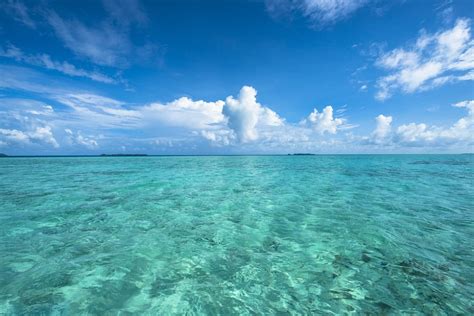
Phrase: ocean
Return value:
(237, 235)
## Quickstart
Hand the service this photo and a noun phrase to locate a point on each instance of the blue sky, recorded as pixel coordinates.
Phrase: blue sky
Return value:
(236, 77)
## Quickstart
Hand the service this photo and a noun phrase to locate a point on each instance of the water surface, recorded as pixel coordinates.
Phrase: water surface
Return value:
(237, 235)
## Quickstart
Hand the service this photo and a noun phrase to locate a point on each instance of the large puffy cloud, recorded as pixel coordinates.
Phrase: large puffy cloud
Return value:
(422, 134)
(412, 133)
(244, 113)
(26, 122)
(79, 121)
(184, 112)
(324, 122)
(81, 140)
(42, 134)
(434, 60)
(383, 128)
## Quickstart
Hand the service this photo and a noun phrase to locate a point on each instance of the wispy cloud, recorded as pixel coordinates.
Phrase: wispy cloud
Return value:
(107, 42)
(103, 44)
(434, 60)
(320, 12)
(18, 11)
(45, 61)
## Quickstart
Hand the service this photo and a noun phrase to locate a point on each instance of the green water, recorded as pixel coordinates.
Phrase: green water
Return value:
(237, 235)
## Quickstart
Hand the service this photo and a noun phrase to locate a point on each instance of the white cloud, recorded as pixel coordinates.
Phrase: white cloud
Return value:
(108, 43)
(243, 115)
(219, 137)
(325, 11)
(411, 133)
(324, 122)
(126, 11)
(19, 12)
(26, 106)
(463, 129)
(14, 135)
(245, 123)
(434, 60)
(423, 135)
(96, 111)
(321, 12)
(184, 112)
(383, 128)
(41, 134)
(45, 61)
(77, 138)
(239, 124)
(103, 44)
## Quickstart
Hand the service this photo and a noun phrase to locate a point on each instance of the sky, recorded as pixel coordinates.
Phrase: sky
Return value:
(236, 77)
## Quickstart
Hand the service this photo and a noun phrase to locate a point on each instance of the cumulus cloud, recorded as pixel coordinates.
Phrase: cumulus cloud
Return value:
(383, 128)
(434, 60)
(220, 137)
(78, 139)
(14, 135)
(244, 113)
(422, 134)
(412, 133)
(41, 134)
(321, 12)
(45, 61)
(238, 124)
(324, 122)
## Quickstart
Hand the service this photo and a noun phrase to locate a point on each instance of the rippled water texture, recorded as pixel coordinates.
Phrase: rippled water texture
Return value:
(237, 235)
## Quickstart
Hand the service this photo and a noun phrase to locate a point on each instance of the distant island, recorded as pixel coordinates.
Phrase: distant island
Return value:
(3, 155)
(301, 154)
(123, 155)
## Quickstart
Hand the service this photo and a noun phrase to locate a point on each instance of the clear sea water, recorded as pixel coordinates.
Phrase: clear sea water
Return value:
(286, 235)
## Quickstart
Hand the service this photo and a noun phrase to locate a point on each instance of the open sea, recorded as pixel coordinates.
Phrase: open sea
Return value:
(237, 235)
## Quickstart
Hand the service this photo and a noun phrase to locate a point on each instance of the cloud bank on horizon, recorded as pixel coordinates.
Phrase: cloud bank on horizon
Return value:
(84, 95)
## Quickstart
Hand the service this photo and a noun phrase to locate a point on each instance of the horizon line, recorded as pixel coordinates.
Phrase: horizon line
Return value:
(224, 155)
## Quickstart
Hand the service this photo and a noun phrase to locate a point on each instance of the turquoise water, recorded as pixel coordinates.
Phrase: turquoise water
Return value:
(237, 235)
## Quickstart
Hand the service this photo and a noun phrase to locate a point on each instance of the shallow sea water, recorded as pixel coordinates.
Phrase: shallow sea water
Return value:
(287, 235)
